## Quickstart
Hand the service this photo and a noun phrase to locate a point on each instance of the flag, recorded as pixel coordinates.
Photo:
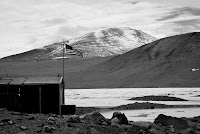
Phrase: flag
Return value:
(68, 47)
(69, 50)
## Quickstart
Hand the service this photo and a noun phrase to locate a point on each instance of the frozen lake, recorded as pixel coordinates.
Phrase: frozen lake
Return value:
(120, 96)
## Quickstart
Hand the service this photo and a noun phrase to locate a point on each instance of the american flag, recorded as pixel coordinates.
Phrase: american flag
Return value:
(69, 50)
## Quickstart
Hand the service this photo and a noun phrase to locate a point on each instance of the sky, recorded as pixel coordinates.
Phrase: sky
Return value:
(30, 24)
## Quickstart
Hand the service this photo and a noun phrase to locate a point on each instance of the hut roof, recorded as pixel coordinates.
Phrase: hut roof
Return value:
(43, 80)
(17, 81)
(31, 80)
(5, 81)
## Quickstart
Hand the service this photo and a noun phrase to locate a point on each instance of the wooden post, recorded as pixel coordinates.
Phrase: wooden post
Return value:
(63, 61)
(40, 101)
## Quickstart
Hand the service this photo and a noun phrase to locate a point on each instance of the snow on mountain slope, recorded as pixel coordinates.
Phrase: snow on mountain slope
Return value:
(112, 41)
(102, 43)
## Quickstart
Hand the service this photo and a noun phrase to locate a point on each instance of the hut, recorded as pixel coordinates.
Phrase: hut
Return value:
(33, 94)
(4, 98)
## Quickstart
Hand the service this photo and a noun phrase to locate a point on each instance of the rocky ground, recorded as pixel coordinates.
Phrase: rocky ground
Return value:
(92, 122)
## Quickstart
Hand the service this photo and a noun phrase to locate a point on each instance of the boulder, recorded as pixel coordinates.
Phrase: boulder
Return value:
(1, 128)
(156, 128)
(115, 120)
(94, 131)
(48, 129)
(95, 118)
(122, 119)
(23, 127)
(177, 123)
(3, 109)
(105, 123)
(143, 124)
(195, 119)
(155, 131)
(6, 122)
(187, 131)
(21, 133)
(10, 122)
(72, 118)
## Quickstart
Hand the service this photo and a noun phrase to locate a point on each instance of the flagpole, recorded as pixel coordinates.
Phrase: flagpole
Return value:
(63, 64)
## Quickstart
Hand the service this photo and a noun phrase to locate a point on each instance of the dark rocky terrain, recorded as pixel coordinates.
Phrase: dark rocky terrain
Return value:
(93, 123)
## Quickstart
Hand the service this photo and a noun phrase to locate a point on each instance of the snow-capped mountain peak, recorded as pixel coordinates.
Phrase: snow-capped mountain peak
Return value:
(102, 43)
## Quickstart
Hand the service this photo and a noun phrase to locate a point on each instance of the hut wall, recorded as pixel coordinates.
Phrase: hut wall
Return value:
(50, 96)
(29, 99)
(31, 102)
(9, 97)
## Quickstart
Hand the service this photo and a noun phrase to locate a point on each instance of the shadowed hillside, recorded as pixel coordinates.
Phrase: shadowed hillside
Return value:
(168, 62)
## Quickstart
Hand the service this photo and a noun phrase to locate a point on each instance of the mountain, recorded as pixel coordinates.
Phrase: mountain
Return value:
(102, 43)
(168, 62)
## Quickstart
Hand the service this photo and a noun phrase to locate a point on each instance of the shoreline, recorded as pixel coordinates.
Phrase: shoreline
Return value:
(132, 106)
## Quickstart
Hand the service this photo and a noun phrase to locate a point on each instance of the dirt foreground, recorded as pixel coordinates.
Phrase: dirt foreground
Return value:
(94, 123)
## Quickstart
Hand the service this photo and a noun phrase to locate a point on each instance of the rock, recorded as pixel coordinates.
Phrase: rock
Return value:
(197, 128)
(94, 131)
(21, 133)
(11, 122)
(72, 118)
(156, 127)
(187, 131)
(171, 128)
(1, 128)
(121, 117)
(105, 123)
(142, 124)
(48, 129)
(95, 118)
(51, 122)
(192, 124)
(196, 119)
(116, 113)
(142, 132)
(31, 118)
(115, 120)
(38, 129)
(178, 123)
(75, 131)
(3, 109)
(155, 131)
(40, 125)
(16, 113)
(5, 120)
(51, 119)
(70, 125)
(123, 133)
(124, 127)
(23, 127)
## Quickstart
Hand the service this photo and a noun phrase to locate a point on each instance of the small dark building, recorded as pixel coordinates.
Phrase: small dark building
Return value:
(32, 94)
(4, 97)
